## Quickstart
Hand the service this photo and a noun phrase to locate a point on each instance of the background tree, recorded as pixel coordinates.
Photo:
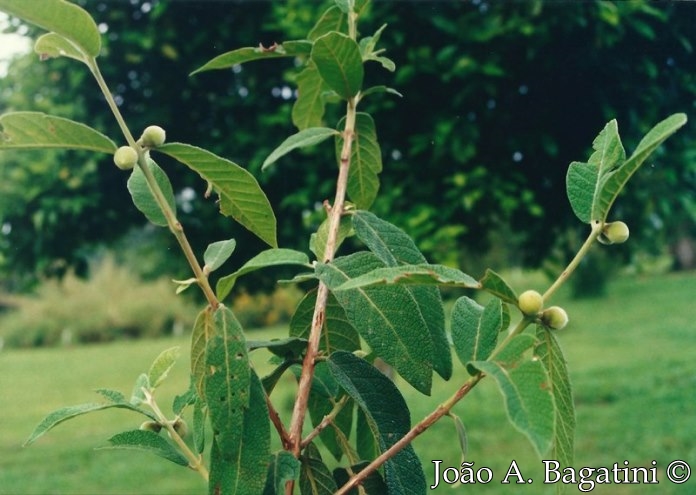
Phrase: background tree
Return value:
(505, 95)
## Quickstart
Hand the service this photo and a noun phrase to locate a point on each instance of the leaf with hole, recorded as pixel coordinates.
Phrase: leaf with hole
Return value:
(241, 196)
(32, 130)
(339, 63)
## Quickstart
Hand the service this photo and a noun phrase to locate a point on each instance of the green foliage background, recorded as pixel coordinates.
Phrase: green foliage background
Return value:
(498, 98)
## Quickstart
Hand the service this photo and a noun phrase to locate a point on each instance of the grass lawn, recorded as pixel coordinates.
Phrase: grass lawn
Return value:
(631, 358)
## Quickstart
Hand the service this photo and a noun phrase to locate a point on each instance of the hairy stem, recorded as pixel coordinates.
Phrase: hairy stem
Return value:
(195, 461)
(174, 225)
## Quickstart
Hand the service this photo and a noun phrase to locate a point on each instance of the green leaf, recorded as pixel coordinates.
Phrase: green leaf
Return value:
(31, 130)
(475, 328)
(269, 257)
(65, 18)
(338, 60)
(142, 196)
(227, 381)
(337, 333)
(346, 6)
(315, 477)
(138, 395)
(185, 399)
(308, 110)
(461, 434)
(317, 241)
(551, 356)
(283, 467)
(366, 443)
(203, 330)
(244, 473)
(241, 196)
(388, 413)
(200, 412)
(386, 317)
(526, 389)
(290, 348)
(147, 441)
(331, 20)
(304, 138)
(248, 54)
(494, 284)
(380, 89)
(65, 413)
(409, 275)
(394, 247)
(162, 365)
(365, 161)
(613, 181)
(217, 253)
(53, 45)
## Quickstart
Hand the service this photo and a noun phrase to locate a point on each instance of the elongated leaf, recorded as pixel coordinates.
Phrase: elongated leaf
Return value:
(475, 328)
(365, 161)
(386, 317)
(494, 284)
(217, 253)
(282, 468)
(380, 89)
(188, 398)
(366, 443)
(270, 257)
(53, 45)
(394, 247)
(412, 275)
(304, 138)
(162, 365)
(526, 389)
(245, 472)
(387, 411)
(551, 356)
(346, 6)
(290, 348)
(317, 241)
(338, 60)
(141, 384)
(147, 441)
(31, 130)
(613, 181)
(227, 381)
(65, 18)
(331, 20)
(315, 477)
(337, 333)
(65, 413)
(308, 110)
(203, 330)
(200, 413)
(241, 196)
(251, 53)
(142, 196)
(461, 434)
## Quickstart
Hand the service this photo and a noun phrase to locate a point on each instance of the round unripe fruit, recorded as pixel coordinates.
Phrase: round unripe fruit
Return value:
(125, 158)
(153, 136)
(616, 232)
(180, 427)
(554, 317)
(153, 426)
(530, 302)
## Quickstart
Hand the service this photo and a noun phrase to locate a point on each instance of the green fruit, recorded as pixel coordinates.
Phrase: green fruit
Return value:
(615, 232)
(530, 302)
(153, 136)
(153, 426)
(125, 158)
(554, 317)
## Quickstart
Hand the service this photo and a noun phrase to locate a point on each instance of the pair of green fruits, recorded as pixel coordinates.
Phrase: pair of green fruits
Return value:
(126, 157)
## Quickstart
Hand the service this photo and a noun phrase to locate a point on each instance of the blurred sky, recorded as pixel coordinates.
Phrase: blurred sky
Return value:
(10, 44)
